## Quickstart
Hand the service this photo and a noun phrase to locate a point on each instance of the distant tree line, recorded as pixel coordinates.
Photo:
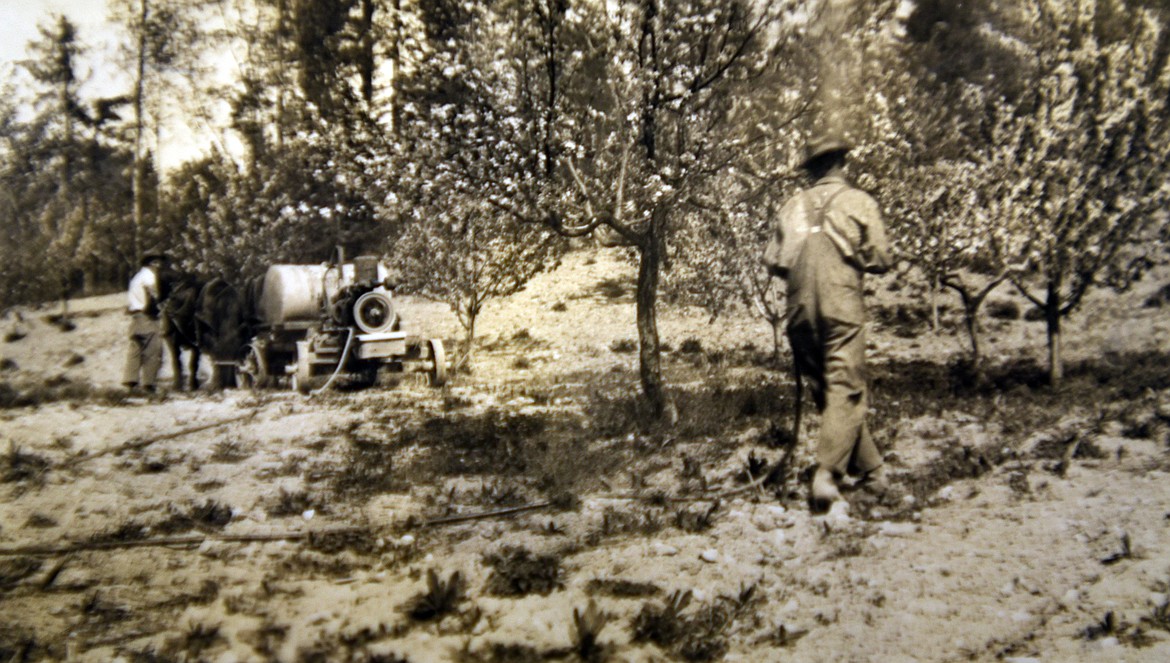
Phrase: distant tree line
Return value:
(1012, 144)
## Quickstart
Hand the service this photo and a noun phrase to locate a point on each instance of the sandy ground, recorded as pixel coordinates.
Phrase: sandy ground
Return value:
(1033, 534)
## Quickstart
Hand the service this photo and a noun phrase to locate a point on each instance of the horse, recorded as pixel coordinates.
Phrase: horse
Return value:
(225, 323)
(180, 330)
(206, 317)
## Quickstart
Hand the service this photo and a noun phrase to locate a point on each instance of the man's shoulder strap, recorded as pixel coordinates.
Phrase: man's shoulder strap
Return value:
(827, 202)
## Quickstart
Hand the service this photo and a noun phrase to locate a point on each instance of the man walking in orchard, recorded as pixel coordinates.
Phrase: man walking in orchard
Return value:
(822, 242)
(144, 356)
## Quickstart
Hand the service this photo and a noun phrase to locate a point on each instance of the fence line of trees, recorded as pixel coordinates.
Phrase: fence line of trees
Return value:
(1020, 143)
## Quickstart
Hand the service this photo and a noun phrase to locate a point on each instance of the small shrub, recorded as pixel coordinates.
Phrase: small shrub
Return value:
(7, 364)
(663, 625)
(611, 288)
(619, 588)
(368, 469)
(521, 363)
(209, 516)
(1126, 552)
(559, 307)
(696, 521)
(517, 572)
(61, 321)
(1034, 314)
(230, 451)
(442, 597)
(19, 466)
(691, 346)
(293, 503)
(624, 521)
(1159, 617)
(14, 570)
(131, 530)
(500, 494)
(587, 626)
(1159, 298)
(360, 541)
(40, 521)
(199, 638)
(74, 360)
(14, 336)
(623, 345)
(1002, 309)
(1107, 626)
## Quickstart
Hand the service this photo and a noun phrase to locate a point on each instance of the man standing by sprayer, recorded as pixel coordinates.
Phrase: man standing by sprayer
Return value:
(144, 356)
(822, 243)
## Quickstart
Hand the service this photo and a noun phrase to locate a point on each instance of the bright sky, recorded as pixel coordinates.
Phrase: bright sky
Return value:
(19, 20)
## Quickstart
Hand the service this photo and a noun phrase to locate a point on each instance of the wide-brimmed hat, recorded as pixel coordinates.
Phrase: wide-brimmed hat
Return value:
(153, 254)
(820, 144)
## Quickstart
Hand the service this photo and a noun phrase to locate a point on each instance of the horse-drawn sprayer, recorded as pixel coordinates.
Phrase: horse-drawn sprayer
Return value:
(317, 324)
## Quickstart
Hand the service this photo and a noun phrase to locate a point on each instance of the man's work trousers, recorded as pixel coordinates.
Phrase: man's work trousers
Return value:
(826, 328)
(144, 357)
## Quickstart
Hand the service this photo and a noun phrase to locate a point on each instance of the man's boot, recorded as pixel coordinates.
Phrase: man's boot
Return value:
(875, 481)
(824, 490)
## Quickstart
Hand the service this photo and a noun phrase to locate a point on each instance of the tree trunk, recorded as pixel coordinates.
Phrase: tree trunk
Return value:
(649, 351)
(396, 57)
(777, 335)
(136, 181)
(970, 313)
(469, 338)
(1052, 318)
(935, 286)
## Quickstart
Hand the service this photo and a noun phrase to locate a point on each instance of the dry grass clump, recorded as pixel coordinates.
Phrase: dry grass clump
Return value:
(621, 588)
(230, 450)
(15, 569)
(518, 572)
(25, 393)
(19, 466)
(700, 636)
(441, 597)
(209, 516)
(367, 469)
(295, 503)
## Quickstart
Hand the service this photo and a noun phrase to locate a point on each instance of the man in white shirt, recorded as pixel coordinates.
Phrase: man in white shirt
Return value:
(145, 353)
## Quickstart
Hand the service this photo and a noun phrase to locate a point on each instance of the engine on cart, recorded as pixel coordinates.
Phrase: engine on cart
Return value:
(321, 323)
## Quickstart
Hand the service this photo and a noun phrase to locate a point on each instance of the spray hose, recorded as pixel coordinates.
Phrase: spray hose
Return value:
(340, 364)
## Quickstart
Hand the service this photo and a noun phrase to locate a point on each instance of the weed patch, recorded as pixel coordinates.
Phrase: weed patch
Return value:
(518, 572)
(612, 289)
(368, 469)
(207, 517)
(623, 346)
(295, 503)
(1003, 309)
(641, 522)
(14, 570)
(19, 466)
(60, 388)
(622, 589)
(230, 451)
(131, 530)
(362, 542)
(442, 597)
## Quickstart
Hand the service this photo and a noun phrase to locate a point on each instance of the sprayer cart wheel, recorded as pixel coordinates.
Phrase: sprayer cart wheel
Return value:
(253, 372)
(437, 375)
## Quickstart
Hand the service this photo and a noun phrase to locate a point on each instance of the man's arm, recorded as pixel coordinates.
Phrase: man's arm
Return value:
(772, 252)
(874, 247)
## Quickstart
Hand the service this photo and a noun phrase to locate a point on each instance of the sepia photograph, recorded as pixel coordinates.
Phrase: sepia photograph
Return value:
(630, 331)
